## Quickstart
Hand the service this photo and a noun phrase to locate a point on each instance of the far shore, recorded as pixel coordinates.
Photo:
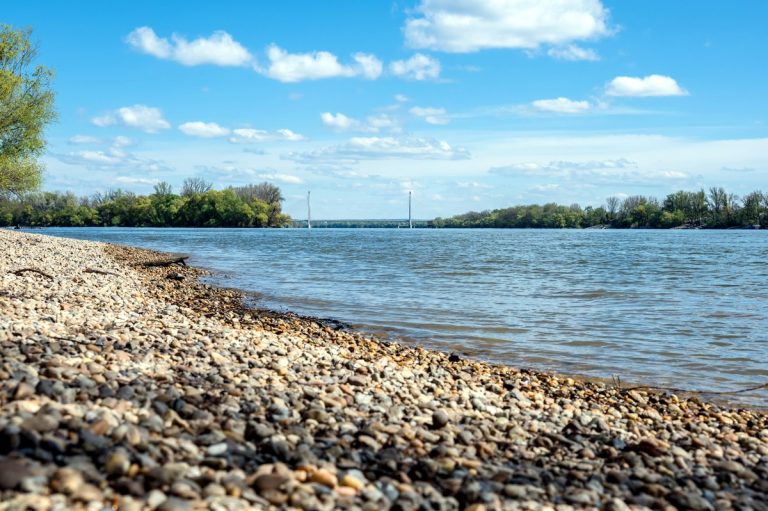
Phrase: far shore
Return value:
(139, 387)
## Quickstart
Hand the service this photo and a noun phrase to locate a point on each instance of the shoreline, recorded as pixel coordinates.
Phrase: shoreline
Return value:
(194, 399)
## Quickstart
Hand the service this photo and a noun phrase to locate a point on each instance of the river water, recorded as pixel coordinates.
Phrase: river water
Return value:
(686, 309)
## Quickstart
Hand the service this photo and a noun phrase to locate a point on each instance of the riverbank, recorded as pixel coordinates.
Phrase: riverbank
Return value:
(133, 390)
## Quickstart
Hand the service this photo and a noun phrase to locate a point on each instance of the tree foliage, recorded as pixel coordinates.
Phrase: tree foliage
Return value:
(26, 108)
(162, 208)
(716, 209)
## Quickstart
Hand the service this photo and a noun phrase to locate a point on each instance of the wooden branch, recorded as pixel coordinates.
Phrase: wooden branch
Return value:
(99, 272)
(32, 270)
(181, 261)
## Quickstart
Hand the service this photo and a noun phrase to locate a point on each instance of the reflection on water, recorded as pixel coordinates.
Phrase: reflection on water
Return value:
(680, 308)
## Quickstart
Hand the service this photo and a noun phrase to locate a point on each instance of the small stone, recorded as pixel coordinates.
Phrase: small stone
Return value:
(440, 419)
(616, 505)
(352, 482)
(184, 489)
(155, 498)
(217, 449)
(325, 478)
(23, 391)
(214, 490)
(117, 463)
(174, 504)
(67, 480)
(269, 482)
(357, 380)
(88, 493)
(11, 473)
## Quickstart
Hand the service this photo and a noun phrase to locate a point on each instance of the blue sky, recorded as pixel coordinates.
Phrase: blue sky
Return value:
(469, 104)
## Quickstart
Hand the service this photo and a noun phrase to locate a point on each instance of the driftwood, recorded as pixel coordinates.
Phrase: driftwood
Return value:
(31, 270)
(164, 263)
(99, 272)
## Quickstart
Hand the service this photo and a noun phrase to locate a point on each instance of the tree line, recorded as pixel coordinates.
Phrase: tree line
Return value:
(197, 205)
(712, 209)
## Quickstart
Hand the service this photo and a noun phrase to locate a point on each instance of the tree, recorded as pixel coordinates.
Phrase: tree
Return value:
(612, 206)
(193, 185)
(26, 108)
(163, 189)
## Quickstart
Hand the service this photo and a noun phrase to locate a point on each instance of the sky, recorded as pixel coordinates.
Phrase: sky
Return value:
(468, 104)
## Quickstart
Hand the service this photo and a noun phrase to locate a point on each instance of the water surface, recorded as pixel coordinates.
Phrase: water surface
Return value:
(680, 308)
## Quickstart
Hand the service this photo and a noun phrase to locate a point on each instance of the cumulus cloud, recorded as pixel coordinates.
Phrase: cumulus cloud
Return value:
(573, 52)
(382, 148)
(373, 124)
(203, 129)
(463, 26)
(338, 121)
(651, 85)
(561, 106)
(145, 118)
(219, 49)
(401, 98)
(83, 139)
(431, 115)
(250, 136)
(297, 67)
(418, 67)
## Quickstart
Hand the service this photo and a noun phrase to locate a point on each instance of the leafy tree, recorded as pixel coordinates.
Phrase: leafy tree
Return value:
(26, 108)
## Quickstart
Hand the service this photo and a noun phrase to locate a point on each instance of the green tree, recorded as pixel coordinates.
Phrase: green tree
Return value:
(26, 108)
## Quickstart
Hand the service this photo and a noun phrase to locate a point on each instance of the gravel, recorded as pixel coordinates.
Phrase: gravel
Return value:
(134, 391)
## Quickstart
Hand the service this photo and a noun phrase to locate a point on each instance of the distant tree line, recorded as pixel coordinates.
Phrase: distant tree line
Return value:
(715, 209)
(198, 205)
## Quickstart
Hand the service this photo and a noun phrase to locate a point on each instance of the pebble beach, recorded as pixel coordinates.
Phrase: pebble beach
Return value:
(139, 388)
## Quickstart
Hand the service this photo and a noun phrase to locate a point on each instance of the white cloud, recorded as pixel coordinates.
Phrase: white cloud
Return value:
(651, 85)
(129, 180)
(113, 158)
(102, 121)
(338, 121)
(203, 129)
(472, 185)
(401, 98)
(281, 178)
(573, 52)
(145, 118)
(463, 26)
(368, 66)
(250, 136)
(373, 124)
(562, 167)
(382, 148)
(122, 141)
(84, 139)
(431, 115)
(297, 67)
(599, 171)
(219, 48)
(382, 122)
(549, 187)
(561, 106)
(418, 67)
